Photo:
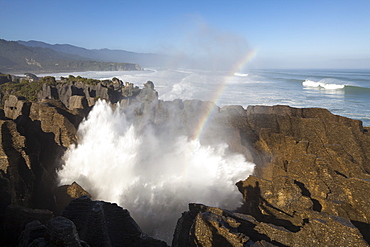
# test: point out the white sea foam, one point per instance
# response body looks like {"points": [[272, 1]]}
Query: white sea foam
{"points": [[181, 90], [322, 84], [240, 74], [153, 176]]}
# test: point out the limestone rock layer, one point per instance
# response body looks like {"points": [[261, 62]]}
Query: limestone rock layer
{"points": [[309, 187]]}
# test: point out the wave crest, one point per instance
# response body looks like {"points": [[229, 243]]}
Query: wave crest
{"points": [[324, 83], [240, 74]]}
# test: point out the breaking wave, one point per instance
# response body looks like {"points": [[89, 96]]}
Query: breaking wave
{"points": [[240, 74], [324, 83]]}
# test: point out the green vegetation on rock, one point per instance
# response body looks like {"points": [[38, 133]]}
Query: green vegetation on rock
{"points": [[25, 88], [30, 89], [73, 79]]}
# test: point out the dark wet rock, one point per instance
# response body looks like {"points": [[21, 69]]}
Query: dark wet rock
{"points": [[17, 217], [33, 235], [105, 224], [58, 231], [2, 114], [62, 232]]}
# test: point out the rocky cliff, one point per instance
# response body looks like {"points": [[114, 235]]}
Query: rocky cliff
{"points": [[309, 187]]}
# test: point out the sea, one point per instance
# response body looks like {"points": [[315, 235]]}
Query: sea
{"points": [[155, 176], [343, 92]]}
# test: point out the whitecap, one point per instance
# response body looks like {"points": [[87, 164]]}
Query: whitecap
{"points": [[240, 74], [322, 84]]}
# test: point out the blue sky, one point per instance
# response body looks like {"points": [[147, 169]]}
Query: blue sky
{"points": [[283, 34]]}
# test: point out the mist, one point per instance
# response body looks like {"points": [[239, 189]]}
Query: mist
{"points": [[207, 48], [153, 170]]}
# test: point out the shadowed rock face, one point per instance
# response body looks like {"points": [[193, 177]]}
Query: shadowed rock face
{"points": [[16, 219], [309, 187], [105, 224], [58, 231], [85, 223], [33, 138]]}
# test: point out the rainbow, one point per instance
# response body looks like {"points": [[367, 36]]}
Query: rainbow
{"points": [[215, 97]]}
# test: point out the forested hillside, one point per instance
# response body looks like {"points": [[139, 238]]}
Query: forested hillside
{"points": [[15, 57]]}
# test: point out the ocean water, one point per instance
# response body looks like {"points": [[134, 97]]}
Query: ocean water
{"points": [[343, 92], [155, 176]]}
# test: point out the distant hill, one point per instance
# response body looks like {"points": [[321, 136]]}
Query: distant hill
{"points": [[104, 55], [15, 57]]}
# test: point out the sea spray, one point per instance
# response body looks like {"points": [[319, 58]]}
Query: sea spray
{"points": [[152, 175]]}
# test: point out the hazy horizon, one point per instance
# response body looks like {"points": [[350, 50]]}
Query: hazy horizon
{"points": [[242, 35]]}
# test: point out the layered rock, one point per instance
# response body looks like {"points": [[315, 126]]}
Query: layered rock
{"points": [[15, 106], [67, 93], [33, 136], [15, 164], [312, 167], [309, 187], [209, 226]]}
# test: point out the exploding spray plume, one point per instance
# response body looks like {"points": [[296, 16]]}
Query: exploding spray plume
{"points": [[151, 173], [155, 173]]}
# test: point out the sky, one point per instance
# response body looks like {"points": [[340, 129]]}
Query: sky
{"points": [[275, 34]]}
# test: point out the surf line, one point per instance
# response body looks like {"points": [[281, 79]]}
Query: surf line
{"points": [[211, 107]]}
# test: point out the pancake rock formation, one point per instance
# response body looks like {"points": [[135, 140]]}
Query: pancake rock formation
{"points": [[309, 187]]}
